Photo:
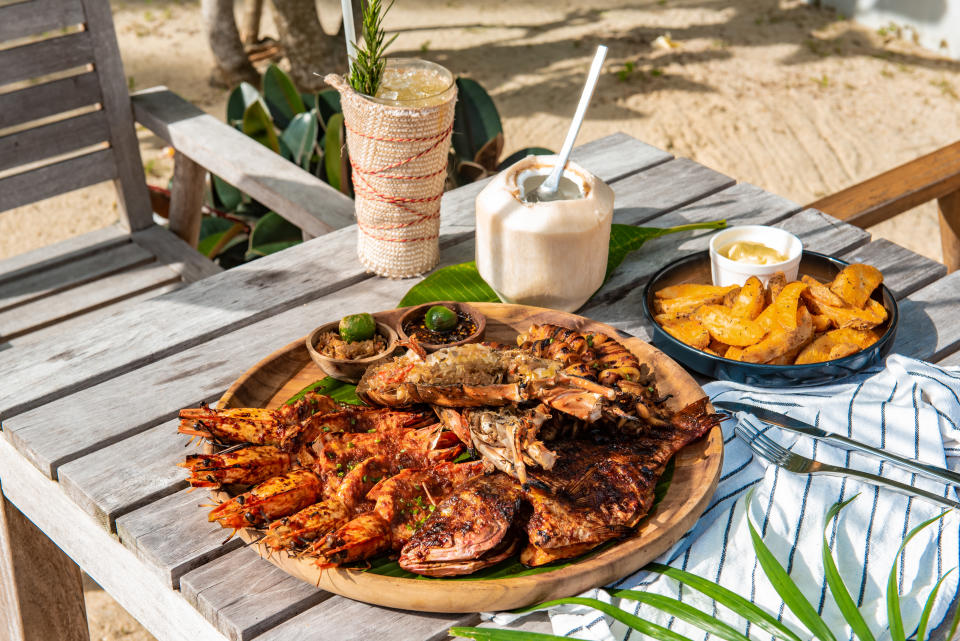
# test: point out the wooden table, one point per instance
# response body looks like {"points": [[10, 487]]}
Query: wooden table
{"points": [[90, 441]]}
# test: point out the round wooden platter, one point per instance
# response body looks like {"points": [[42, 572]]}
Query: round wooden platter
{"points": [[696, 469]]}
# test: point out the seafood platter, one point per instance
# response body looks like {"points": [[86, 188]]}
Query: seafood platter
{"points": [[555, 456]]}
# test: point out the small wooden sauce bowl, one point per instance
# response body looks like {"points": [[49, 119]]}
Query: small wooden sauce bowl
{"points": [[345, 369], [460, 308]]}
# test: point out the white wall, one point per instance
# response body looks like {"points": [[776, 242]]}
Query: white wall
{"points": [[934, 24]]}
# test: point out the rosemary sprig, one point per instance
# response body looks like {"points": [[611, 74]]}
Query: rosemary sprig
{"points": [[367, 69]]}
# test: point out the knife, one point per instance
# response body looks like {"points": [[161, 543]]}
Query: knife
{"points": [[791, 424]]}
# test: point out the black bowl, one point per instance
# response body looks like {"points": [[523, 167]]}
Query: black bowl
{"points": [[696, 269]]}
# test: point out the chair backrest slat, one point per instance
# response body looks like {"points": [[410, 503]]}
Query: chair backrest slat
{"points": [[48, 99], [58, 178], [46, 56], [55, 139], [45, 73], [37, 16]]}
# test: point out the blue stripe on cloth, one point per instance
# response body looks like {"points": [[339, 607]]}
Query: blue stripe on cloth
{"points": [[876, 495]]}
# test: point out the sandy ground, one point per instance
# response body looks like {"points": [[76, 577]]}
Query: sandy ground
{"points": [[797, 100]]}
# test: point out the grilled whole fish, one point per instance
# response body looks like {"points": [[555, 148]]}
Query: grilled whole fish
{"points": [[478, 375], [469, 530], [600, 491]]}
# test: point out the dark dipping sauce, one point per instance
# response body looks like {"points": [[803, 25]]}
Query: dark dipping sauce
{"points": [[416, 328]]}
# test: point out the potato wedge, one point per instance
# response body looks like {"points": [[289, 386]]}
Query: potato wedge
{"points": [[689, 331], [867, 318], [692, 290], [783, 311], [750, 299], [734, 353], [827, 347], [855, 283], [781, 340], [664, 319], [718, 348], [776, 282], [859, 337], [727, 328], [730, 298], [818, 294], [685, 305], [822, 323]]}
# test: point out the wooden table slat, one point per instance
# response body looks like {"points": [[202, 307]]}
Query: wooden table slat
{"points": [[126, 475], [243, 596], [341, 619], [928, 321], [172, 536]]}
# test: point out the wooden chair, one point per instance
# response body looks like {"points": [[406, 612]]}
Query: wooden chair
{"points": [[67, 122], [936, 175]]}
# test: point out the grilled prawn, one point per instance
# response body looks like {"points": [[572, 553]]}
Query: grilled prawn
{"points": [[247, 466], [276, 497], [254, 425]]}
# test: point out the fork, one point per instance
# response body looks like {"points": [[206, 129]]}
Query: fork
{"points": [[775, 453]]}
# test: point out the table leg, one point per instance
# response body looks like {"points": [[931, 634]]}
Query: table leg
{"points": [[41, 588]]}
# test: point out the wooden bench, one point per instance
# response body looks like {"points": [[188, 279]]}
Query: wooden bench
{"points": [[934, 176]]}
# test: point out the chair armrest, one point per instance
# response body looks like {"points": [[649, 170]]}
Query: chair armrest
{"points": [[884, 196], [295, 194]]}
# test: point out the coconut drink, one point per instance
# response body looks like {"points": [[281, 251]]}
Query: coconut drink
{"points": [[544, 253]]}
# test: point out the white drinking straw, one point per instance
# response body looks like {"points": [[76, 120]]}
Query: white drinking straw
{"points": [[346, 6]]}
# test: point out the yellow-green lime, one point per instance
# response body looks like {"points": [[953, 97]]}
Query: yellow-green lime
{"points": [[357, 327], [440, 319]]}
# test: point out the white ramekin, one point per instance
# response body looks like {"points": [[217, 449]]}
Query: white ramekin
{"points": [[728, 272]]}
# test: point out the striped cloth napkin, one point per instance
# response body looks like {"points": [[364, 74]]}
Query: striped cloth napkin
{"points": [[911, 408]]}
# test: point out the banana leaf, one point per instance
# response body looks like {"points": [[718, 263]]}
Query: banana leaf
{"points": [[300, 137], [281, 96], [463, 282]]}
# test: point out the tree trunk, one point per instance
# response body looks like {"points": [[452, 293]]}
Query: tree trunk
{"points": [[309, 49], [252, 12], [233, 66]]}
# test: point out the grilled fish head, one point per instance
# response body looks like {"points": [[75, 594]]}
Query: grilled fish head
{"points": [[469, 526]]}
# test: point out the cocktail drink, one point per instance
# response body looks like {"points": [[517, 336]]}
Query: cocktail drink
{"points": [[398, 143], [547, 254], [413, 83]]}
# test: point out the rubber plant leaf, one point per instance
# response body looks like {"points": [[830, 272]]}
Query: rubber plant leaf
{"points": [[257, 125], [228, 197], [273, 233], [517, 156], [335, 155], [300, 137], [282, 97], [240, 98], [476, 121], [212, 229], [215, 244], [328, 104]]}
